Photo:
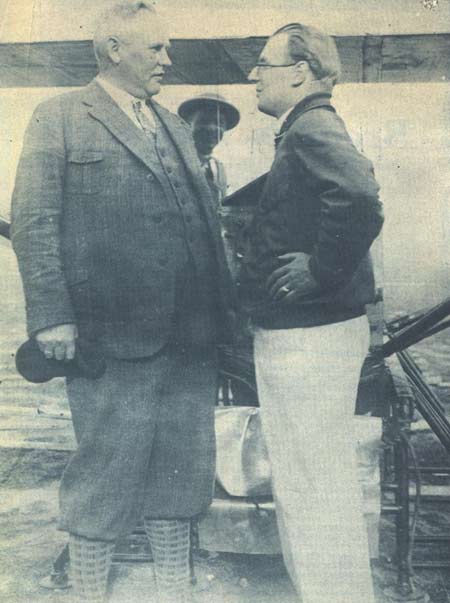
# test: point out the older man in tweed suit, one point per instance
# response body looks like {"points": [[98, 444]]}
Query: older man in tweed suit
{"points": [[118, 243]]}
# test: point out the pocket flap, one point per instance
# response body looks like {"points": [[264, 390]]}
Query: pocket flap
{"points": [[85, 156], [76, 276]]}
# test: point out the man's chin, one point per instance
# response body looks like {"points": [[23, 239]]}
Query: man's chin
{"points": [[262, 108], [153, 88], [205, 151]]}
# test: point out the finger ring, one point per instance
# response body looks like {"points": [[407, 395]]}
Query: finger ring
{"points": [[285, 289]]}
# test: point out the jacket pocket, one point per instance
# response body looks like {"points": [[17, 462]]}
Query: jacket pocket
{"points": [[85, 172], [76, 276]]}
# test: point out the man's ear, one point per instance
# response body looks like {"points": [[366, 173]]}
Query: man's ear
{"points": [[113, 49], [302, 73]]}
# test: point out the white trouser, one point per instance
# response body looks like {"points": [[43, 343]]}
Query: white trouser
{"points": [[307, 383]]}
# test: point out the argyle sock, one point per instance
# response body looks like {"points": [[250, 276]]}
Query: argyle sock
{"points": [[170, 544], [90, 561]]}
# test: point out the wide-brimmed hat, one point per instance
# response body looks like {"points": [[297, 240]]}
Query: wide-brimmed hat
{"points": [[32, 364], [210, 99]]}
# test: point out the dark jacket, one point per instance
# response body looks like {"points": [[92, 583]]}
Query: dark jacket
{"points": [[320, 198], [93, 235]]}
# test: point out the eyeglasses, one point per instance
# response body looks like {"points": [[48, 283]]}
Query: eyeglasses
{"points": [[260, 66]]}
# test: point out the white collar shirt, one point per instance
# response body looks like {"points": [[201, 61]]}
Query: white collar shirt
{"points": [[282, 118], [125, 101]]}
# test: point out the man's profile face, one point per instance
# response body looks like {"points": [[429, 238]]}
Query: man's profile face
{"points": [[273, 83], [208, 128], [143, 56]]}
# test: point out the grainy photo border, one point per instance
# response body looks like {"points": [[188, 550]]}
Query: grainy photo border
{"points": [[393, 96]]}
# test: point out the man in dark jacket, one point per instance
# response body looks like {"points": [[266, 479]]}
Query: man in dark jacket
{"points": [[305, 279], [118, 243]]}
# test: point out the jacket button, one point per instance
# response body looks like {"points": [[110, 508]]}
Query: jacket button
{"points": [[189, 219], [150, 177], [157, 219], [163, 261], [176, 184], [169, 169], [162, 152]]}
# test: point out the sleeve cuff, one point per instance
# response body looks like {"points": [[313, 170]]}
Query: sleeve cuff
{"points": [[38, 323]]}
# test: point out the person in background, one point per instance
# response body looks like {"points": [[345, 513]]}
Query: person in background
{"points": [[210, 116], [118, 244], [305, 279]]}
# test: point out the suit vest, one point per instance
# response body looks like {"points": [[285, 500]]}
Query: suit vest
{"points": [[197, 291]]}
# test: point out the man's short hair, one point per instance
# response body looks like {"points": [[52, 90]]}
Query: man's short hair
{"points": [[319, 50], [114, 20]]}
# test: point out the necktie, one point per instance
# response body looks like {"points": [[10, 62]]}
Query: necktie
{"points": [[144, 121]]}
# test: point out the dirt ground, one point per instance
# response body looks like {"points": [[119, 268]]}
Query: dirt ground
{"points": [[29, 542]]}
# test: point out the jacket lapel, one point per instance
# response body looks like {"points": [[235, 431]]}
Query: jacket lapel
{"points": [[180, 136], [104, 109], [184, 143], [182, 139]]}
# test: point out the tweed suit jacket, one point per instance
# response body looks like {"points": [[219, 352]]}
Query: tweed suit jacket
{"points": [[94, 239]]}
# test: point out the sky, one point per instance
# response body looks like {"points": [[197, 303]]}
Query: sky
{"points": [[31, 20]]}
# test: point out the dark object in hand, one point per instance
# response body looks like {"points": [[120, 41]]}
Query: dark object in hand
{"points": [[32, 364]]}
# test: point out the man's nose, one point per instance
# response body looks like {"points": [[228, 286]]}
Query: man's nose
{"points": [[164, 58], [253, 75]]}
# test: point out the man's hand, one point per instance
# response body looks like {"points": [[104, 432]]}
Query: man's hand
{"points": [[58, 342], [292, 280]]}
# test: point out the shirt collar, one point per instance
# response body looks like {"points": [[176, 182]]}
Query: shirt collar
{"points": [[119, 95], [125, 101], [204, 159], [282, 118]]}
